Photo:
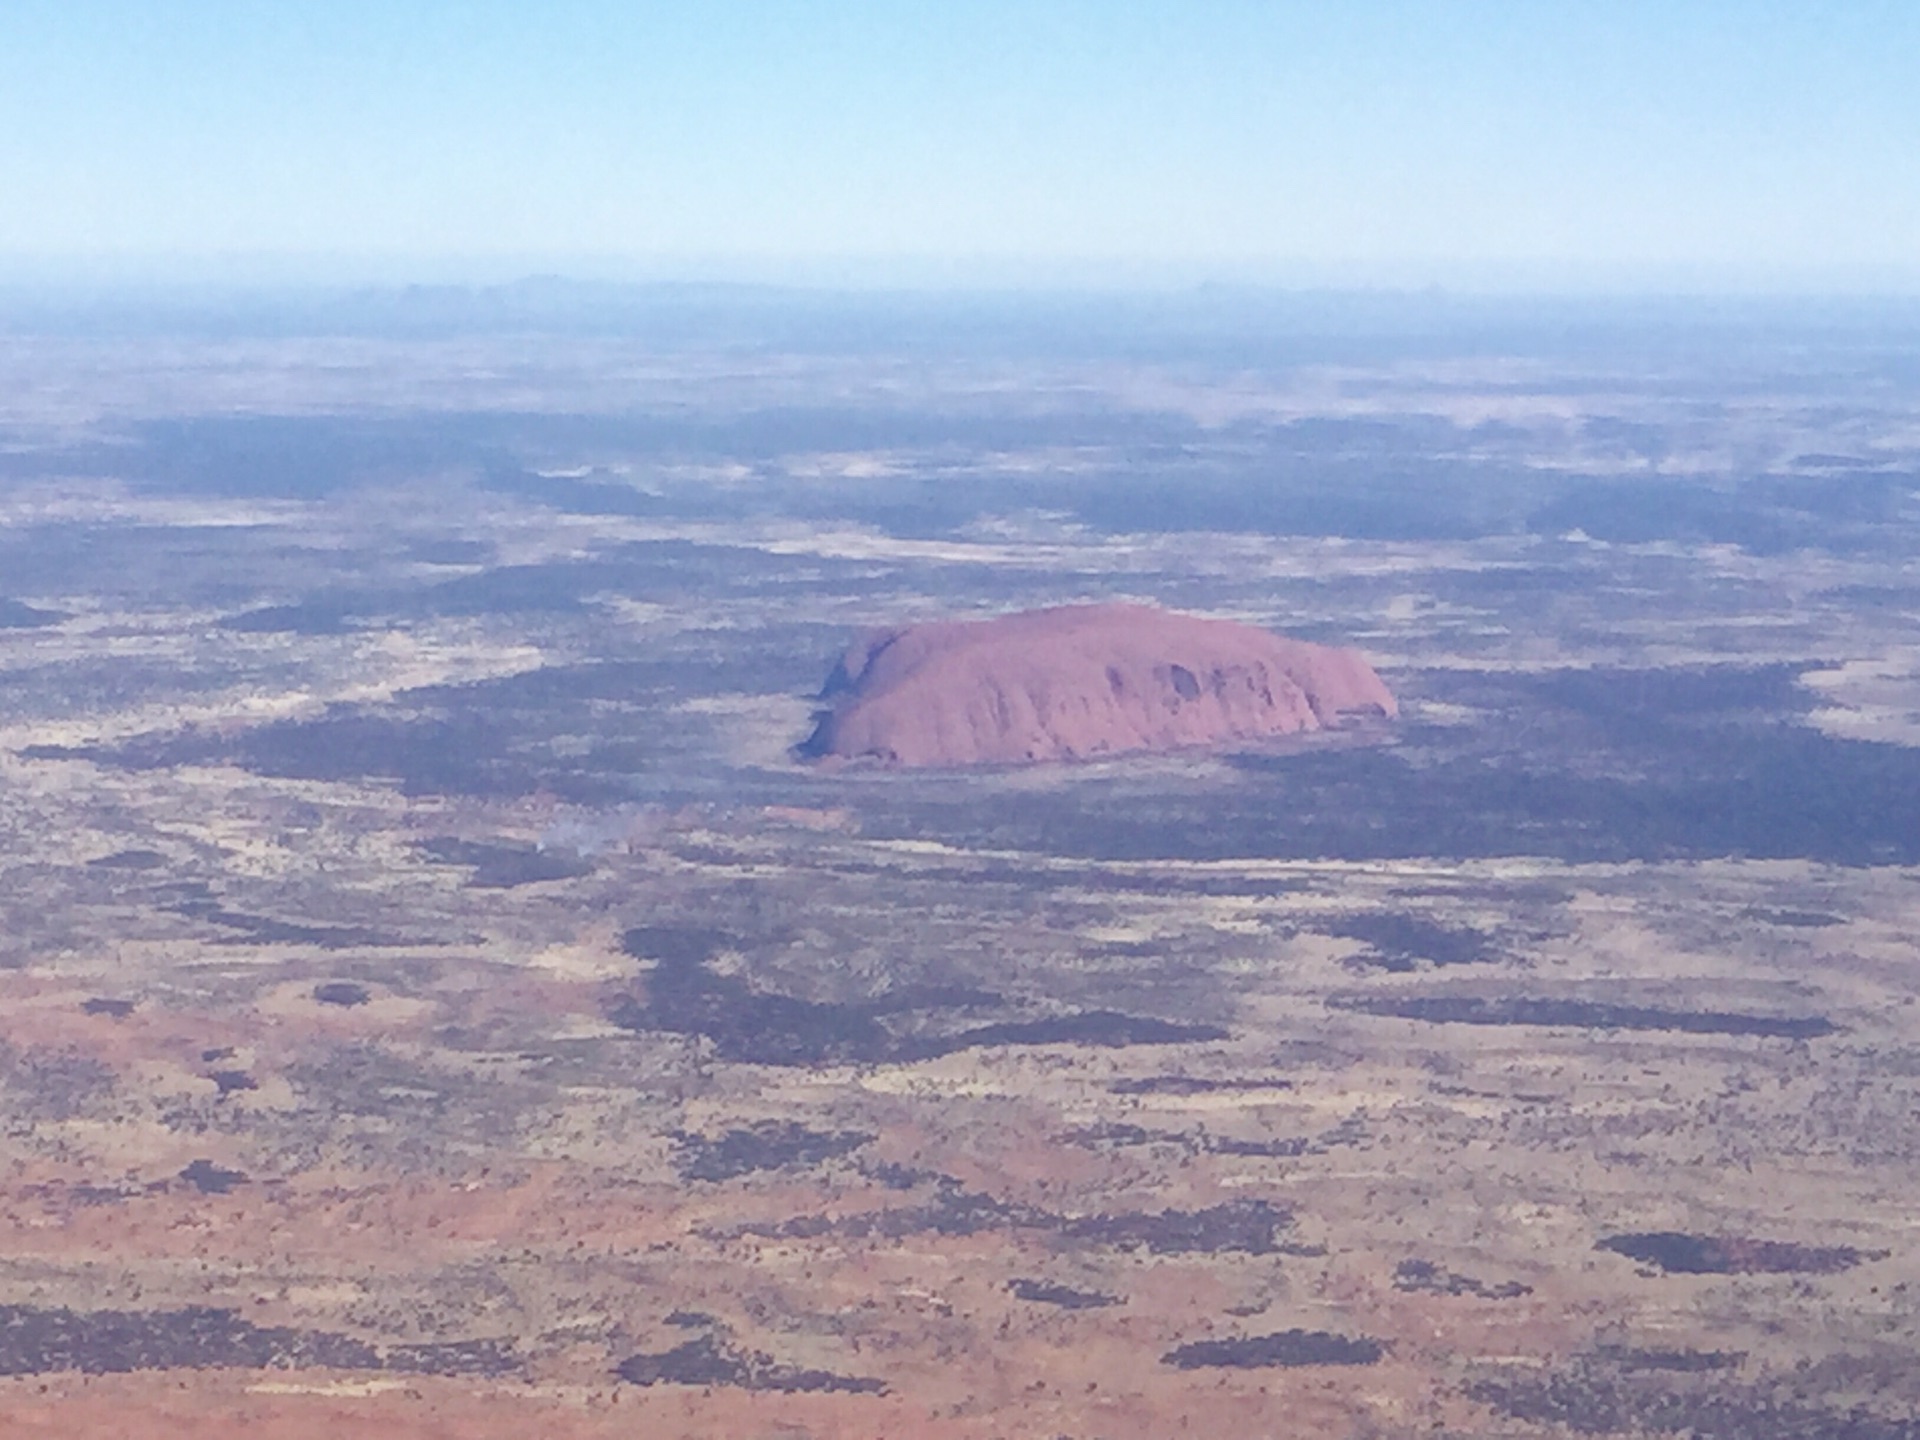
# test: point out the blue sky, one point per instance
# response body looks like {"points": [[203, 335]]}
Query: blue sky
{"points": [[1708, 143]]}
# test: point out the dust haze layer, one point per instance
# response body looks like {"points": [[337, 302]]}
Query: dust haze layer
{"points": [[1080, 682]]}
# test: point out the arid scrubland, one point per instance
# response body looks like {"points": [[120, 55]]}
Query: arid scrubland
{"points": [[435, 998]]}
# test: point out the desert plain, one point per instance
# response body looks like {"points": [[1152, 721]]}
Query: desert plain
{"points": [[437, 999]]}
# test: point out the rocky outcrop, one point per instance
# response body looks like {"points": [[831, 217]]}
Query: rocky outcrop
{"points": [[1081, 682]]}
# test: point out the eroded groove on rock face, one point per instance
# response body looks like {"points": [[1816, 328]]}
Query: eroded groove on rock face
{"points": [[1080, 682]]}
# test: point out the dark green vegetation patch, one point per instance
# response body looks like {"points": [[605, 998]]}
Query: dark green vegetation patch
{"points": [[768, 1145], [501, 865], [1581, 1015], [211, 1179], [1285, 1348], [1426, 1277], [1040, 1292], [37, 1340], [710, 1360], [685, 995], [1602, 1395], [1680, 1254], [1406, 942], [1234, 1227]]}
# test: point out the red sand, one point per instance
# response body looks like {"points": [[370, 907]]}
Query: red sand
{"points": [[1080, 682]]}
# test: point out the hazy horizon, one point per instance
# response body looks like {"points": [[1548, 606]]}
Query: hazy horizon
{"points": [[1716, 147], [292, 274]]}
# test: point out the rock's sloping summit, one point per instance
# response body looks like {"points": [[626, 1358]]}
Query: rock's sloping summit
{"points": [[1079, 682]]}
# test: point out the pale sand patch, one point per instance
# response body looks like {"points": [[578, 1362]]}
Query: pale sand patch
{"points": [[757, 730], [162, 1078], [270, 1092], [1871, 699], [1129, 931], [374, 669], [295, 1000], [127, 1146], [331, 1293], [338, 1389], [646, 613], [1439, 712], [586, 1027], [599, 959]]}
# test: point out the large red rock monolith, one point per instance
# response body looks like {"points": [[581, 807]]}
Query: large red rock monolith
{"points": [[1081, 682]]}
